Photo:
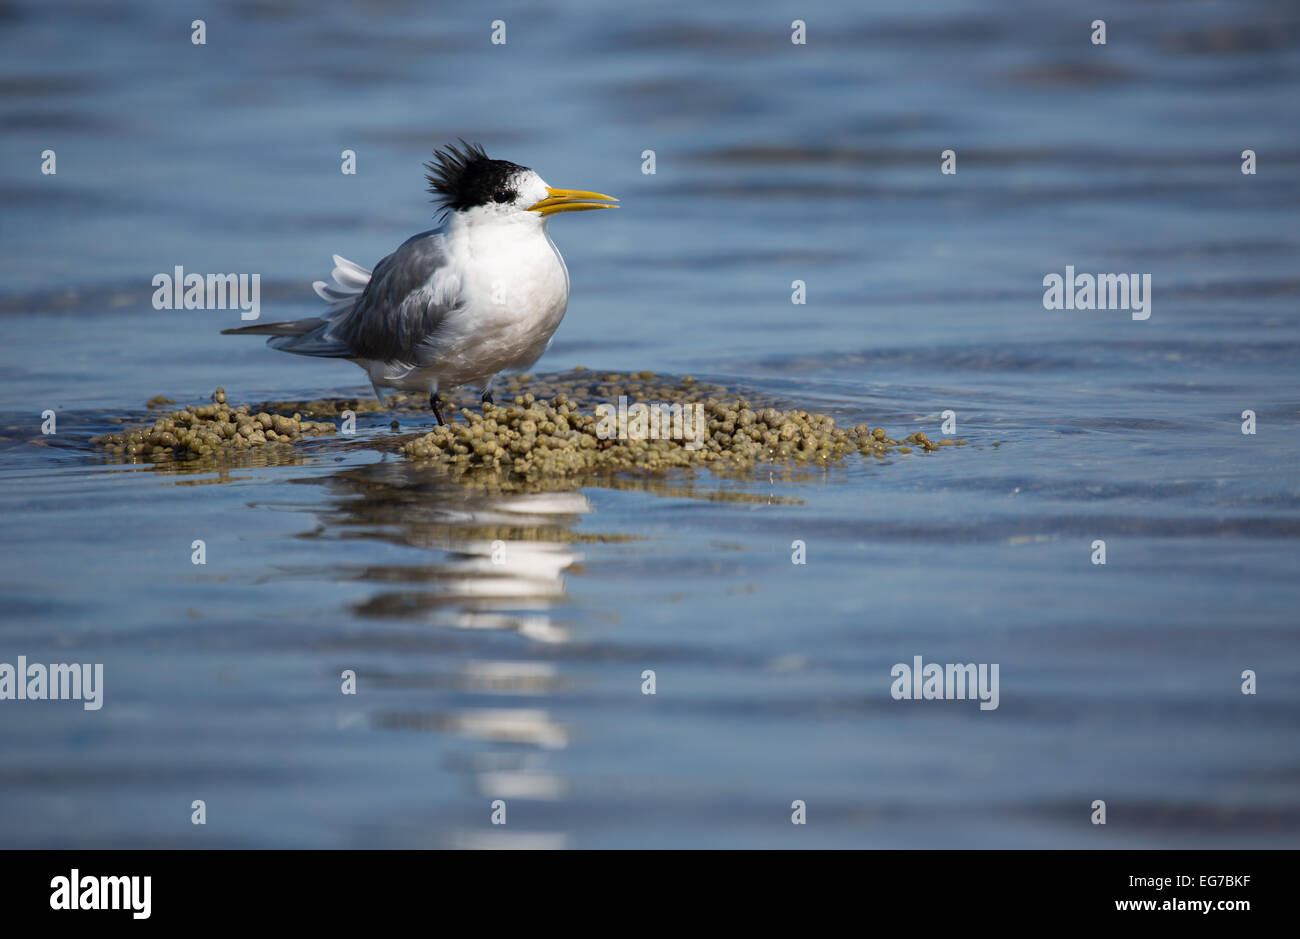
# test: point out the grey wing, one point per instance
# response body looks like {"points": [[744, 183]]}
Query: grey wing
{"points": [[384, 315], [401, 308]]}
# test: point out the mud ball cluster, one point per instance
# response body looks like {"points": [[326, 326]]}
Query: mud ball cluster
{"points": [[537, 438], [207, 431], [547, 428]]}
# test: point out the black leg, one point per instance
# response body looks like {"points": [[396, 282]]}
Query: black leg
{"points": [[487, 398], [435, 402]]}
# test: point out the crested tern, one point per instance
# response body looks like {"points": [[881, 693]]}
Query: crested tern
{"points": [[456, 305]]}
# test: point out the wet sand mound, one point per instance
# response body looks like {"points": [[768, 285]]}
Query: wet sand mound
{"points": [[545, 427], [206, 431]]}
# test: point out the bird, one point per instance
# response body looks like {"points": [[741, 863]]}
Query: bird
{"points": [[481, 294]]}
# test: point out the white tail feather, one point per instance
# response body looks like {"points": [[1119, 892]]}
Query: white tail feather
{"points": [[349, 280]]}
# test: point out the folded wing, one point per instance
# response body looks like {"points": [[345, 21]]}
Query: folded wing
{"points": [[388, 315]]}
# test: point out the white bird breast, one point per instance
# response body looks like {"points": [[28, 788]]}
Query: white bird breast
{"points": [[507, 290]]}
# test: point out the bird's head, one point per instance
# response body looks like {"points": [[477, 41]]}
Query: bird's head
{"points": [[465, 179]]}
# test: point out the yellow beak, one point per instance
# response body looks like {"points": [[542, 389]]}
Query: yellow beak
{"points": [[571, 200]]}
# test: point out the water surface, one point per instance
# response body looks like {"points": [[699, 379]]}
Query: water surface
{"points": [[774, 163]]}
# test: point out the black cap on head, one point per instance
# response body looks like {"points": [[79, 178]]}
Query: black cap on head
{"points": [[463, 177]]}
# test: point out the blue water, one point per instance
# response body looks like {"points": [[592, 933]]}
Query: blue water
{"points": [[774, 163]]}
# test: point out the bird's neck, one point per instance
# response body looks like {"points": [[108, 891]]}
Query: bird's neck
{"points": [[487, 235]]}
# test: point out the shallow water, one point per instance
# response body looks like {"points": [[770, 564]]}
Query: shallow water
{"points": [[774, 163]]}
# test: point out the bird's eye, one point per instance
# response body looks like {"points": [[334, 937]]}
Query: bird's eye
{"points": [[502, 195]]}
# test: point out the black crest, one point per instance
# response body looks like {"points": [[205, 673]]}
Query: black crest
{"points": [[463, 177]]}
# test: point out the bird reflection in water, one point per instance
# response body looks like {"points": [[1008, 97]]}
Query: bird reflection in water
{"points": [[498, 564]]}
